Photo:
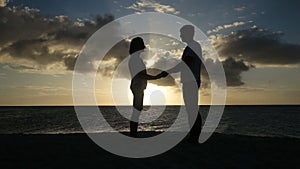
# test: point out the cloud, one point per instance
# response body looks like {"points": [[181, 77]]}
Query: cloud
{"points": [[3, 3], [151, 5], [239, 9], [2, 75], [227, 26], [233, 70], [32, 41], [258, 47], [42, 44], [113, 58]]}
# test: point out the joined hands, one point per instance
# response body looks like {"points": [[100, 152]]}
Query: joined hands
{"points": [[162, 74]]}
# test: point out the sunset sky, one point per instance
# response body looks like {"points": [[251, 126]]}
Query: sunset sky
{"points": [[258, 43]]}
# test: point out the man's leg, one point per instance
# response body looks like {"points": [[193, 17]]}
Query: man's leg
{"points": [[190, 96], [196, 129]]}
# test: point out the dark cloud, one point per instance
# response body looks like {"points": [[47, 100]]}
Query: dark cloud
{"points": [[27, 35], [113, 58], [233, 70], [33, 50], [70, 62], [258, 47], [119, 51]]}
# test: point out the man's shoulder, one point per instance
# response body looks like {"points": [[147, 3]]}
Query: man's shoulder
{"points": [[196, 44]]}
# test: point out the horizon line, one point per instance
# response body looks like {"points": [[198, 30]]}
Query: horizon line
{"points": [[68, 105]]}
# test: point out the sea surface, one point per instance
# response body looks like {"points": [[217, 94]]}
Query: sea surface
{"points": [[271, 121]]}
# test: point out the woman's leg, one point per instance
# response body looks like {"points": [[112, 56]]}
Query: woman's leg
{"points": [[138, 97]]}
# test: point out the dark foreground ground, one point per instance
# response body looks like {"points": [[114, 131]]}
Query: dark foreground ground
{"points": [[72, 151]]}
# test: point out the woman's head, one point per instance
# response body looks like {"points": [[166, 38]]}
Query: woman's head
{"points": [[136, 44]]}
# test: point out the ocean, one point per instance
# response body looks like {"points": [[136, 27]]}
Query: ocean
{"points": [[271, 121]]}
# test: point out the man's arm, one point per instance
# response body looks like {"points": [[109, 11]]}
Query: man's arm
{"points": [[179, 66], [176, 68]]}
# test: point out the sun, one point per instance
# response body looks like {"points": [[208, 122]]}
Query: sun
{"points": [[154, 95]]}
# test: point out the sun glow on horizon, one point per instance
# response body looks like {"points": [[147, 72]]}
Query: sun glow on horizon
{"points": [[155, 95]]}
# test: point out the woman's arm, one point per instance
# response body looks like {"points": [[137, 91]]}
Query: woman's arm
{"points": [[143, 74]]}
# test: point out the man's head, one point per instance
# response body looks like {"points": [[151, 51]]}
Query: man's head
{"points": [[187, 33]]}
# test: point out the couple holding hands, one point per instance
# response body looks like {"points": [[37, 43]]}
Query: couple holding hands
{"points": [[190, 64]]}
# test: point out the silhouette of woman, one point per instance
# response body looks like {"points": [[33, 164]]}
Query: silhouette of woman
{"points": [[139, 79]]}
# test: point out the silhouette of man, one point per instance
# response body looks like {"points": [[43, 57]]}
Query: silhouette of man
{"points": [[191, 58]]}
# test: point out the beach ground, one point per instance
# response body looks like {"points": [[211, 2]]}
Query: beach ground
{"points": [[72, 151]]}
